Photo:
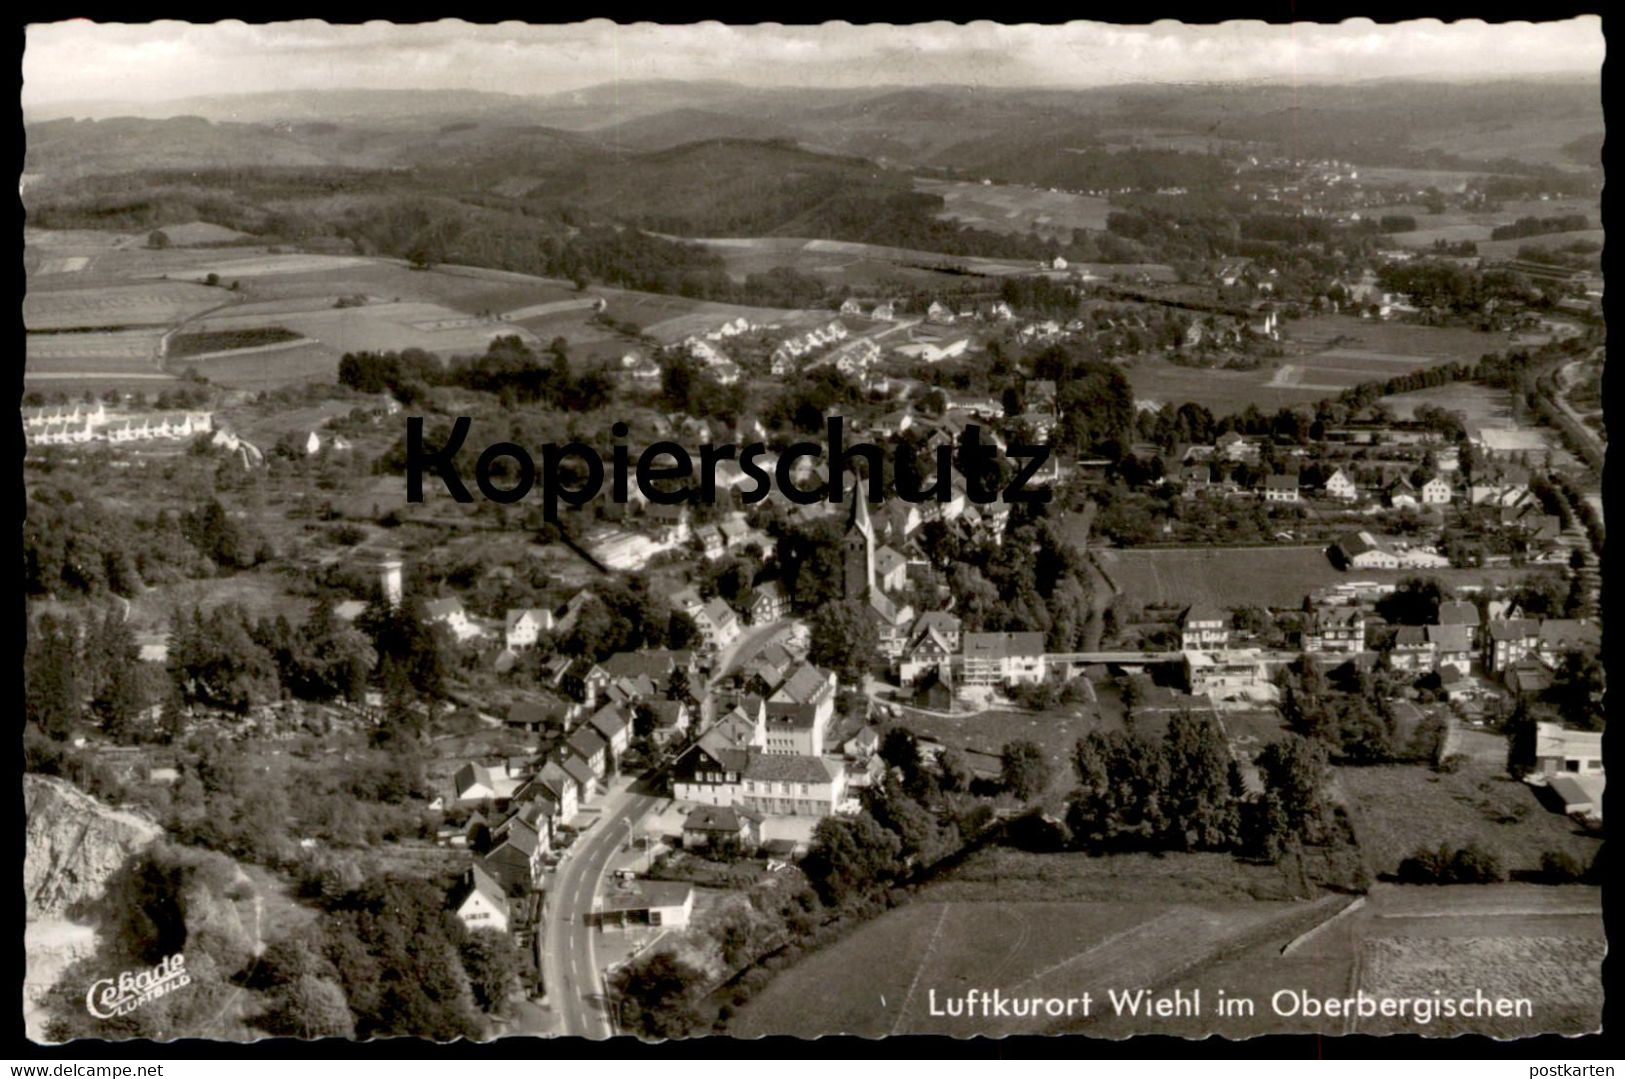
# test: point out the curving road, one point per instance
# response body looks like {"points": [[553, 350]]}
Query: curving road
{"points": [[573, 981]]}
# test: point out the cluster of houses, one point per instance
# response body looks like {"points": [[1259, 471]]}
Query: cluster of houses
{"points": [[74, 424], [784, 357], [719, 366]]}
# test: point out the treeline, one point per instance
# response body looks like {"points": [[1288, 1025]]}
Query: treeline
{"points": [[1538, 226], [1185, 792], [508, 368], [1457, 290], [75, 545], [1356, 722]]}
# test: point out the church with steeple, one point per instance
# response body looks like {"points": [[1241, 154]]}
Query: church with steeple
{"points": [[870, 571]]}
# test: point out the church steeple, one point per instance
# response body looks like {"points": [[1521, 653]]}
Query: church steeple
{"points": [[858, 548], [857, 518]]}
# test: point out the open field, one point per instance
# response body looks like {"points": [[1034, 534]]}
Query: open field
{"points": [[375, 326], [880, 980], [1324, 357], [1446, 180], [839, 257], [258, 370], [984, 736], [1398, 808], [1456, 225], [1456, 928], [232, 269], [1017, 210], [671, 318], [148, 304], [1252, 576], [202, 234], [1479, 406], [1227, 577], [130, 349]]}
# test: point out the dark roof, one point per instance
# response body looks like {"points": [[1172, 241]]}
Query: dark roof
{"points": [[1569, 633], [785, 768], [586, 742], [476, 879], [1513, 629], [715, 819], [657, 666], [1458, 612], [609, 720], [577, 769]]}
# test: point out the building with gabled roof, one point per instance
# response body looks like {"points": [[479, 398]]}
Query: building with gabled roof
{"points": [[479, 901], [993, 658]]}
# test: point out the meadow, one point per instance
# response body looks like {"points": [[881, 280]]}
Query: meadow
{"points": [[1324, 356], [1273, 576], [879, 980], [1017, 210], [1398, 808]]}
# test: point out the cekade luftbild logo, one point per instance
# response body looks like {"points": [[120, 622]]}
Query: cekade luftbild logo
{"points": [[131, 989]]}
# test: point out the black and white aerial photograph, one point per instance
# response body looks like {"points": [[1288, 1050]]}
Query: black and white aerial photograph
{"points": [[640, 532]]}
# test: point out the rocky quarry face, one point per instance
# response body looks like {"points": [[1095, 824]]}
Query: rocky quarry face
{"points": [[74, 843]]}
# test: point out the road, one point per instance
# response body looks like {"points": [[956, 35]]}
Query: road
{"points": [[570, 970], [575, 985]]}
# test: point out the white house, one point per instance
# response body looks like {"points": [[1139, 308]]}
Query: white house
{"points": [[1436, 492], [479, 902], [1339, 486], [449, 613], [992, 658], [523, 625]]}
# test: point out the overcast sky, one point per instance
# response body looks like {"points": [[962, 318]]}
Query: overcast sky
{"points": [[80, 60]]}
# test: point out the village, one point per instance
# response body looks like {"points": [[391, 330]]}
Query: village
{"points": [[1300, 638]]}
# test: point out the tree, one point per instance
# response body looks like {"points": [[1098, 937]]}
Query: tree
{"points": [[658, 993], [849, 856], [1577, 690], [901, 749], [1023, 770], [1521, 741], [309, 1007], [1415, 602], [492, 964], [158, 239], [51, 676], [1294, 770], [953, 773], [844, 639], [1201, 808]]}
